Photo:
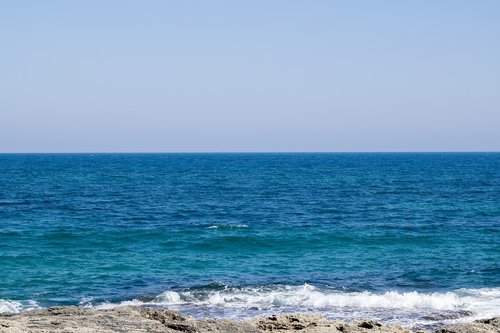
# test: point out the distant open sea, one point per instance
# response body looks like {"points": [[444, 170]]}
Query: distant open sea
{"points": [[407, 238]]}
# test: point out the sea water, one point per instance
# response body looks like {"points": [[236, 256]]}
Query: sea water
{"points": [[406, 238]]}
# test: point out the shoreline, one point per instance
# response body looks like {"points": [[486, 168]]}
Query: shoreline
{"points": [[73, 319]]}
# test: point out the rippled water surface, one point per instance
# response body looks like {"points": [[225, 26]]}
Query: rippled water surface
{"points": [[228, 234]]}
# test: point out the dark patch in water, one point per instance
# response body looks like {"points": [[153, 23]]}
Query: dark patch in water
{"points": [[447, 315]]}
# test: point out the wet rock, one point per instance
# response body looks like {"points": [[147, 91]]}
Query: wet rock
{"points": [[478, 326], [369, 324], [495, 322]]}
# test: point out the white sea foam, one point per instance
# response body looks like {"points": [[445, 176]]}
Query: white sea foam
{"points": [[227, 226], [310, 296], [10, 306], [408, 308], [107, 305]]}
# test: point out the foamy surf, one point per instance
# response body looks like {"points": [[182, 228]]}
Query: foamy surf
{"points": [[227, 226], [12, 306], [407, 308]]}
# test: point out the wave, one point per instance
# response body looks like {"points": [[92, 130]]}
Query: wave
{"points": [[408, 308], [11, 306], [221, 301], [227, 226]]}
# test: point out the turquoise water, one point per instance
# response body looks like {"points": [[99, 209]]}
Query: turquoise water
{"points": [[412, 238]]}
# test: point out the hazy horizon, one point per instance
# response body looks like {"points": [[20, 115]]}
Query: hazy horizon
{"points": [[244, 152], [281, 76]]}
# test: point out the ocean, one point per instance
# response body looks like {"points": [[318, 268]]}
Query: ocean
{"points": [[411, 238]]}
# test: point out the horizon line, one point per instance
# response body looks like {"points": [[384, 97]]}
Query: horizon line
{"points": [[258, 152]]}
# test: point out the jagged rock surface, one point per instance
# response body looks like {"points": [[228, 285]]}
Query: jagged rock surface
{"points": [[132, 319], [316, 324], [123, 319], [479, 326]]}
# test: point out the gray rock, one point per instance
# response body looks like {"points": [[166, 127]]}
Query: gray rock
{"points": [[122, 319], [307, 323], [479, 326], [133, 319]]}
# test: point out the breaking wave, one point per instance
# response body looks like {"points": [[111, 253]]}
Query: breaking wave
{"points": [[413, 309], [10, 306], [408, 308]]}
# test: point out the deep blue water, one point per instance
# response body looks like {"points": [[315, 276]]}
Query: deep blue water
{"points": [[105, 228]]}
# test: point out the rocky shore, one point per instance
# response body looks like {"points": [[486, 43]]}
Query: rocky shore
{"points": [[137, 319]]}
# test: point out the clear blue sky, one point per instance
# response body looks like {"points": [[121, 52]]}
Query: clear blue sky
{"points": [[266, 75]]}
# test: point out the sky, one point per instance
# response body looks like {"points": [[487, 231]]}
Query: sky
{"points": [[249, 76]]}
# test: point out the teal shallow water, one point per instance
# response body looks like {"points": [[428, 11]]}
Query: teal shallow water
{"points": [[230, 232]]}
